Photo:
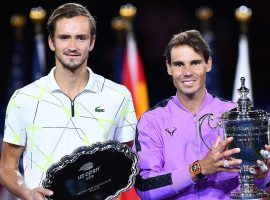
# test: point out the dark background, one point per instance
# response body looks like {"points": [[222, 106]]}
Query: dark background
{"points": [[154, 24]]}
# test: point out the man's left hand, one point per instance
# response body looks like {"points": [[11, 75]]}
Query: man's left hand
{"points": [[264, 166]]}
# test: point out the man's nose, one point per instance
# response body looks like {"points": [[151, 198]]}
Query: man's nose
{"points": [[188, 70], [72, 44]]}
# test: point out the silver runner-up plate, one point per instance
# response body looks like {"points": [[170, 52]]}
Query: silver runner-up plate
{"points": [[97, 172]]}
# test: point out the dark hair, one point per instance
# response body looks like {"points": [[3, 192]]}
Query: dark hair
{"points": [[192, 38], [69, 10]]}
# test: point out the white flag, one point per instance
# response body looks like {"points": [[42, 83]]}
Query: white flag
{"points": [[242, 69]]}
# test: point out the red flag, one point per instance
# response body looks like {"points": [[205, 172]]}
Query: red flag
{"points": [[129, 195], [133, 76]]}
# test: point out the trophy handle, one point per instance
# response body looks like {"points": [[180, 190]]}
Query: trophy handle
{"points": [[210, 117]]}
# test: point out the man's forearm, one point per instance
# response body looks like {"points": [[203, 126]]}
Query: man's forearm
{"points": [[13, 181]]}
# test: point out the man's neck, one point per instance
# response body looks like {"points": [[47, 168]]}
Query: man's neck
{"points": [[72, 82], [192, 102]]}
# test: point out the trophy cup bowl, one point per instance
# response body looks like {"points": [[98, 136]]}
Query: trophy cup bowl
{"points": [[250, 130]]}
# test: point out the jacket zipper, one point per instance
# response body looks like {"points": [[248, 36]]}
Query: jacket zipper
{"points": [[196, 135], [197, 149]]}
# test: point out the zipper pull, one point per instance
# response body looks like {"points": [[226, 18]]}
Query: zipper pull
{"points": [[72, 109], [195, 118]]}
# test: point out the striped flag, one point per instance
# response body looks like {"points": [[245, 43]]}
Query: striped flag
{"points": [[39, 59], [242, 69], [133, 76]]}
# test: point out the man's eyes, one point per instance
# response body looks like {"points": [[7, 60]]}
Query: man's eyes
{"points": [[64, 37], [178, 64], [81, 38], [195, 63]]}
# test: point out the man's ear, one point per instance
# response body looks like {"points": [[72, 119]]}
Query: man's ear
{"points": [[92, 43], [209, 64], [169, 68], [51, 43]]}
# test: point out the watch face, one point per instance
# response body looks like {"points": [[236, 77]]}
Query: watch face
{"points": [[195, 167]]}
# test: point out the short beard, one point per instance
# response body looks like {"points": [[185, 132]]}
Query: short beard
{"points": [[71, 66]]}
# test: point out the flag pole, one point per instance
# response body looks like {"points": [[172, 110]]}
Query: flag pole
{"points": [[37, 16], [17, 79], [205, 14], [128, 13], [118, 24], [18, 21], [243, 15]]}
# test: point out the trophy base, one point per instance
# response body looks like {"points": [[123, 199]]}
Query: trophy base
{"points": [[254, 193]]}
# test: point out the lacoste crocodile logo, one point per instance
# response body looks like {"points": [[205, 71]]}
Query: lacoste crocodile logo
{"points": [[171, 131], [98, 109]]}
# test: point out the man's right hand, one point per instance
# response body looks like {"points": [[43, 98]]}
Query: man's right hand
{"points": [[37, 194], [219, 156]]}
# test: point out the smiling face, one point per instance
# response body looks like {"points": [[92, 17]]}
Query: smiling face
{"points": [[72, 42], [188, 70]]}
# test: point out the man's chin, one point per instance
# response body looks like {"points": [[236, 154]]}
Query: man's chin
{"points": [[72, 67], [189, 92]]}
